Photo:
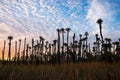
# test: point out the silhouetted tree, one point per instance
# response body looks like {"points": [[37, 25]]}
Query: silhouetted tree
{"points": [[97, 44], [74, 46], [63, 31], [117, 48], [42, 49], [3, 51], [50, 48], [30, 54], [9, 51], [40, 46], [89, 48], [109, 45], [86, 35], [83, 47], [99, 21], [24, 50], [80, 46], [46, 47], [15, 50], [32, 48], [68, 30], [19, 51], [73, 42], [54, 43], [27, 53], [58, 52]]}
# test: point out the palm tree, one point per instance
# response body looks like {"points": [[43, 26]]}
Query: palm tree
{"points": [[97, 43], [58, 53], [96, 35], [58, 30], [29, 49], [50, 48], [15, 50], [89, 48], [109, 44], [27, 52], [24, 50], [74, 43], [46, 47], [9, 51], [99, 21], [19, 50], [32, 50], [117, 47], [86, 34], [106, 39], [40, 39], [42, 49], [3, 52], [68, 30], [42, 45], [83, 47], [95, 48], [73, 38], [54, 42], [80, 45], [63, 31]]}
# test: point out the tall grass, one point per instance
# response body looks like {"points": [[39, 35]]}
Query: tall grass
{"points": [[71, 71]]}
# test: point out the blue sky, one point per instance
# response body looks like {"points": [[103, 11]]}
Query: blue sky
{"points": [[34, 18]]}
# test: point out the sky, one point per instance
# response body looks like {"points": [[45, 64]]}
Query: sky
{"points": [[34, 18]]}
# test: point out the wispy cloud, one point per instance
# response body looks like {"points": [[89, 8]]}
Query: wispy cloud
{"points": [[35, 18], [104, 10]]}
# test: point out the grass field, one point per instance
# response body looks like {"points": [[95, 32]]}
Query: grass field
{"points": [[76, 71]]}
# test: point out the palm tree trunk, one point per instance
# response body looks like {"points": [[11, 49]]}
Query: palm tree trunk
{"points": [[63, 40], [27, 53], [73, 42], [67, 44], [86, 46], [24, 50], [50, 48], [3, 52], [58, 53], [9, 51], [80, 46], [32, 50], [101, 32], [102, 49], [15, 50], [19, 51]]}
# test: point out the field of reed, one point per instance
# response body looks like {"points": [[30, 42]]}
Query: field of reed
{"points": [[71, 71]]}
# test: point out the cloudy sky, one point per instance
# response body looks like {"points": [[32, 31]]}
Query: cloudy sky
{"points": [[34, 18]]}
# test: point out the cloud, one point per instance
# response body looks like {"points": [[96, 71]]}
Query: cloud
{"points": [[104, 10], [26, 18]]}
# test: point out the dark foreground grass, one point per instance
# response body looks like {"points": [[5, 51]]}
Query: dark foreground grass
{"points": [[77, 71]]}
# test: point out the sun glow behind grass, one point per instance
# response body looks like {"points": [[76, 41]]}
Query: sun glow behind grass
{"points": [[71, 71]]}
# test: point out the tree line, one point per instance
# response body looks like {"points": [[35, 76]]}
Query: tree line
{"points": [[42, 51]]}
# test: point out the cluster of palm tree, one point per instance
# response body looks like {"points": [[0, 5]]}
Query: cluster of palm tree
{"points": [[42, 51]]}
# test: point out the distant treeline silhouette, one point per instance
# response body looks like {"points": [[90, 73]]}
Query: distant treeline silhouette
{"points": [[42, 52]]}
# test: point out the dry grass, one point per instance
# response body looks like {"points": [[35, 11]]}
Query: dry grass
{"points": [[77, 71]]}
